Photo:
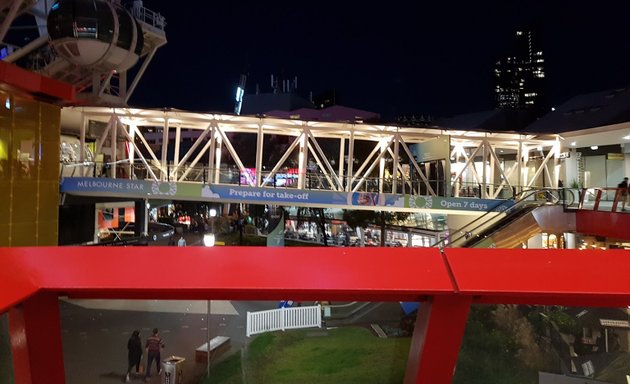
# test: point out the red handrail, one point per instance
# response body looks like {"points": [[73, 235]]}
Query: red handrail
{"points": [[447, 282]]}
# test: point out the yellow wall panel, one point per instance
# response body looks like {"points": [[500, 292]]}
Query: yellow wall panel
{"points": [[4, 234], [49, 200], [25, 201], [23, 234], [47, 233], [29, 188], [49, 163], [5, 200]]}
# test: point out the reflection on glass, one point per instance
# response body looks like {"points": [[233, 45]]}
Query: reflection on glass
{"points": [[356, 342], [519, 343], [6, 362], [345, 349]]}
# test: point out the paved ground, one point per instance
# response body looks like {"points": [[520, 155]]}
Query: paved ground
{"points": [[95, 339]]}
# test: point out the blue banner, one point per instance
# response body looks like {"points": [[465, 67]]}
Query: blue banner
{"points": [[277, 196]]}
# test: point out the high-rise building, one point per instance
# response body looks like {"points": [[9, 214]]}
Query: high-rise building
{"points": [[520, 75]]}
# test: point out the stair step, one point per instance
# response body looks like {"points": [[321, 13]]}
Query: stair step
{"points": [[379, 331]]}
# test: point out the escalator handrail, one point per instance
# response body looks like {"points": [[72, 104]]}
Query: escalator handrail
{"points": [[510, 217], [505, 206]]}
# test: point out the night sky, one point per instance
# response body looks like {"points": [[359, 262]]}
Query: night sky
{"points": [[390, 57]]}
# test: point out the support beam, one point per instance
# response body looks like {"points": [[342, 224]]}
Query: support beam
{"points": [[396, 157], [540, 169], [218, 150], [342, 149], [9, 17], [141, 71], [302, 160], [280, 162], [178, 138], [260, 137], [165, 144], [437, 337], [132, 145], [324, 164], [82, 130], [350, 174], [35, 334], [417, 168], [113, 148]]}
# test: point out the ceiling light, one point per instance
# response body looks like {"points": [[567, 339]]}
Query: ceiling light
{"points": [[594, 147], [573, 143], [626, 137]]}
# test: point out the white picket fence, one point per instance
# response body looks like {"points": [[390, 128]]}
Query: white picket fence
{"points": [[284, 318]]}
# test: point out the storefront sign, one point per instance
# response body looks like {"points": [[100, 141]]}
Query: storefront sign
{"points": [[615, 156]]}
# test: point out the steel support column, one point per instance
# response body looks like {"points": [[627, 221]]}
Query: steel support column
{"points": [[35, 329], [350, 174], [164, 156], [437, 336]]}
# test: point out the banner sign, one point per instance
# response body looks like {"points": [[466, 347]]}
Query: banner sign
{"points": [[434, 149], [145, 189]]}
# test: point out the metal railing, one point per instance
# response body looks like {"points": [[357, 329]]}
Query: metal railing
{"points": [[284, 318], [146, 15], [284, 178], [597, 199]]}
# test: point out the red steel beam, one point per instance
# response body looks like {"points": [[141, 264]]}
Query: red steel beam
{"points": [[35, 329], [614, 225], [447, 283], [436, 339], [14, 78], [592, 278], [236, 273]]}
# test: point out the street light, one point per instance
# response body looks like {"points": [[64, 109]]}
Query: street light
{"points": [[208, 238], [208, 241]]}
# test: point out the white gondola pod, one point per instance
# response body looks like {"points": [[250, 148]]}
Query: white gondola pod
{"points": [[95, 33]]}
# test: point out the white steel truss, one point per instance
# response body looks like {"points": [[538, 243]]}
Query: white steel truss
{"points": [[204, 147]]}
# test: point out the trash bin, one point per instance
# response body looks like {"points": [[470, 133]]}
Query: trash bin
{"points": [[172, 370]]}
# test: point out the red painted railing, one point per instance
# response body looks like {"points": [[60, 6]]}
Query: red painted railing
{"points": [[448, 283]]}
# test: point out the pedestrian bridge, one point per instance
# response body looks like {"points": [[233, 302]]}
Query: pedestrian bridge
{"points": [[175, 145], [269, 160]]}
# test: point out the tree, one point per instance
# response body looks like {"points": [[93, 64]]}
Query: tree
{"points": [[363, 218]]}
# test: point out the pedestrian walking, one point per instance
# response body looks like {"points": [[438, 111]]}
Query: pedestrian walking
{"points": [[623, 192], [153, 345], [134, 348]]}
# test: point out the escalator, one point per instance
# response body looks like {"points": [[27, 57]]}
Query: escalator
{"points": [[509, 232], [532, 213]]}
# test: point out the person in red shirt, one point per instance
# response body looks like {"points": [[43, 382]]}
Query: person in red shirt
{"points": [[153, 346]]}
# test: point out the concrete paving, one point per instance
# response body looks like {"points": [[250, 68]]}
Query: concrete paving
{"points": [[95, 334], [95, 339]]}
